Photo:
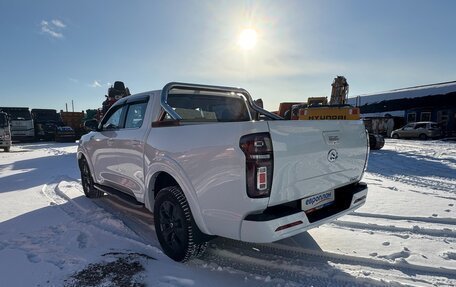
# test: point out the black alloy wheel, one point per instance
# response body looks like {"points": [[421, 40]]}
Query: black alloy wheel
{"points": [[87, 181], [172, 225], [177, 232]]}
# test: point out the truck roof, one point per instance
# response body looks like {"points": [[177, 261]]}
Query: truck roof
{"points": [[13, 108], [43, 110]]}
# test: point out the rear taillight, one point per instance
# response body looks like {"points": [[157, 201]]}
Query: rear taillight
{"points": [[258, 163]]}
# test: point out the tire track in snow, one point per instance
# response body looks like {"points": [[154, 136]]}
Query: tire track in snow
{"points": [[91, 214], [355, 260], [394, 229], [296, 262], [433, 194], [305, 271], [136, 221], [449, 221], [441, 184]]}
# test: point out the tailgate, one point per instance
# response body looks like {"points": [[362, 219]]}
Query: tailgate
{"points": [[311, 157]]}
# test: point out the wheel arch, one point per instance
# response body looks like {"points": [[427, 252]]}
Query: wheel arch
{"points": [[164, 177], [80, 157]]}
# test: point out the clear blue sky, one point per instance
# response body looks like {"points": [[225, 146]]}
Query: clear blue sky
{"points": [[53, 52]]}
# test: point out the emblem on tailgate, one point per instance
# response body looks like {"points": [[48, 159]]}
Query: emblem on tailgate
{"points": [[333, 139], [333, 155]]}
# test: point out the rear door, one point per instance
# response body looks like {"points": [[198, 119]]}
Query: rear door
{"points": [[311, 157]]}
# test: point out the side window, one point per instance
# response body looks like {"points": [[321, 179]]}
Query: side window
{"points": [[114, 120], [420, 126], [135, 115], [409, 127]]}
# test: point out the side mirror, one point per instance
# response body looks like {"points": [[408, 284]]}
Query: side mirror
{"points": [[91, 125]]}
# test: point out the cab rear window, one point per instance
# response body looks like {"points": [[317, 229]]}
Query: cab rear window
{"points": [[210, 108]]}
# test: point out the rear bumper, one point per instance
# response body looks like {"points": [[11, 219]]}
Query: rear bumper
{"points": [[273, 225]]}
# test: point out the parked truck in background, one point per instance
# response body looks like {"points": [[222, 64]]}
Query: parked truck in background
{"points": [[5, 132], [75, 121], [22, 127], [46, 122], [208, 162]]}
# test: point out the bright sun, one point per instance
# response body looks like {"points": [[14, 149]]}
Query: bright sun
{"points": [[247, 39]]}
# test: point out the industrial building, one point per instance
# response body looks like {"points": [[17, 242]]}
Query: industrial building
{"points": [[435, 102]]}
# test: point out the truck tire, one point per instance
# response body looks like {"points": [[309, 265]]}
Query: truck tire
{"points": [[372, 141], [423, 137], [177, 232], [395, 136], [376, 142], [87, 181], [6, 149]]}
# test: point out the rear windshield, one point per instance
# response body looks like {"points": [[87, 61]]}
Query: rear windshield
{"points": [[210, 108]]}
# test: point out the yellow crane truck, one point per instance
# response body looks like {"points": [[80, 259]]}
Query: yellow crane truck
{"points": [[337, 109], [318, 108]]}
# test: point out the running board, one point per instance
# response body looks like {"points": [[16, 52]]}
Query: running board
{"points": [[119, 194]]}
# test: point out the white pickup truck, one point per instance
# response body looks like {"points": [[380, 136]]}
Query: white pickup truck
{"points": [[208, 162]]}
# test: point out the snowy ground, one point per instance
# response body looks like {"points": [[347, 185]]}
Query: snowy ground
{"points": [[404, 235]]}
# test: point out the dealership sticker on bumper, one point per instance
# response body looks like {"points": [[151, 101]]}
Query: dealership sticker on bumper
{"points": [[317, 201]]}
